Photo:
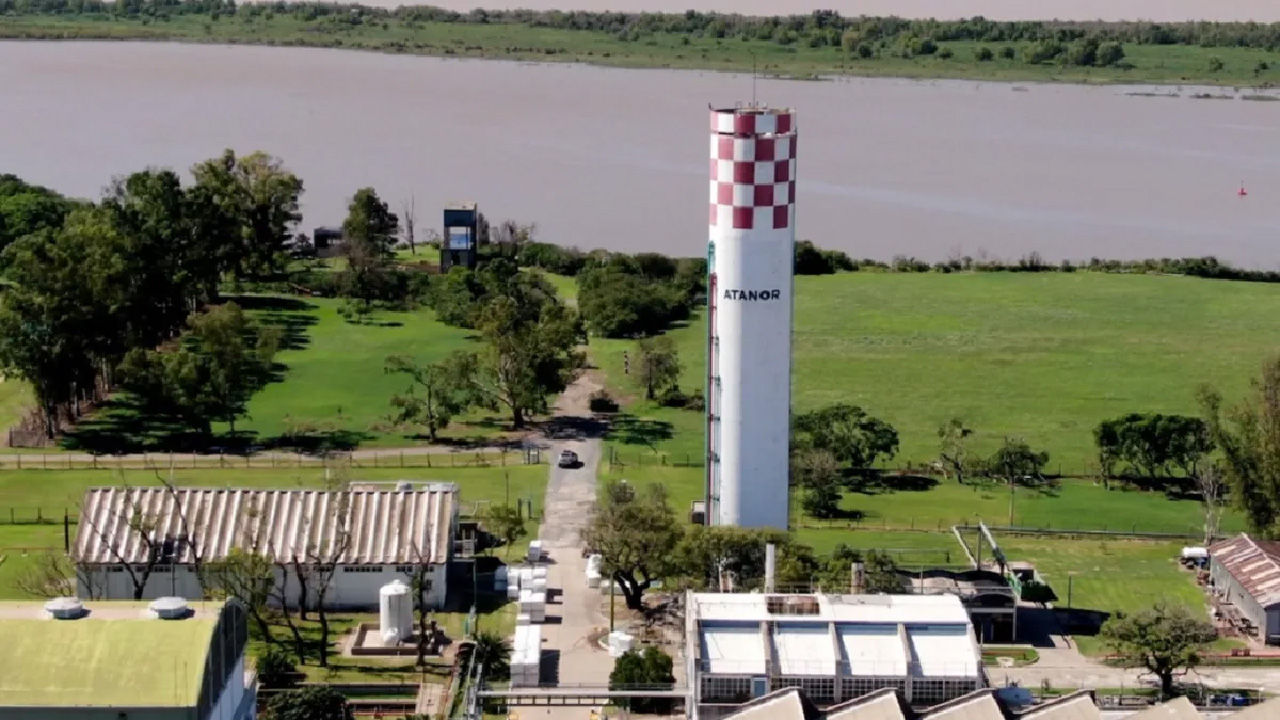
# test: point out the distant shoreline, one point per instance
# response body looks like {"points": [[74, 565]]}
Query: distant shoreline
{"points": [[646, 43]]}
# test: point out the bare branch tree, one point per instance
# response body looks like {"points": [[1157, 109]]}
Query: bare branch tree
{"points": [[1210, 483], [408, 219], [324, 562], [187, 545], [139, 525], [55, 574]]}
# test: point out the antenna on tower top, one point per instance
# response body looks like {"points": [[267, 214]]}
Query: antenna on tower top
{"points": [[753, 80]]}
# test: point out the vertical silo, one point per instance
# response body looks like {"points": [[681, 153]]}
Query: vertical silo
{"points": [[751, 255]]}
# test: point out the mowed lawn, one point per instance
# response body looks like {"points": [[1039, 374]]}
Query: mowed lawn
{"points": [[29, 495], [334, 380], [1040, 356], [1108, 575]]}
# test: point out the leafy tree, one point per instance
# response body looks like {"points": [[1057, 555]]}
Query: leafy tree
{"points": [[456, 295], [369, 237], [436, 393], [1008, 53], [880, 574], [984, 54], [1248, 436], [817, 472], [1152, 444], [1014, 462], [223, 361], [855, 438], [27, 209], [1083, 53], [647, 667], [615, 303], [59, 323], [635, 533], [813, 260], [525, 359], [1167, 640], [704, 551], [249, 577], [1044, 51], [658, 365], [1260, 68], [494, 651], [259, 199], [953, 452], [505, 522], [1215, 64], [315, 702], [1110, 54], [946, 53]]}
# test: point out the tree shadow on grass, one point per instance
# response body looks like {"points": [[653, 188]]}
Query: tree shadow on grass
{"points": [[124, 424], [631, 430], [873, 482], [318, 442]]}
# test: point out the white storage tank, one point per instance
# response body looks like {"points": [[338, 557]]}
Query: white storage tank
{"points": [[395, 612], [620, 643], [535, 551]]}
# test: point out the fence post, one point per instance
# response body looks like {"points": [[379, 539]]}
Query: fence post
{"points": [[375, 458], [401, 458], [68, 461], [44, 458]]}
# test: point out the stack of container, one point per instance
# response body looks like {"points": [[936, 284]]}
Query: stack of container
{"points": [[526, 656], [500, 580], [619, 643], [533, 604], [538, 581], [535, 551], [594, 563]]}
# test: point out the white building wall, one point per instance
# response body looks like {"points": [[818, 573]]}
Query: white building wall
{"points": [[752, 232], [232, 704], [352, 587]]}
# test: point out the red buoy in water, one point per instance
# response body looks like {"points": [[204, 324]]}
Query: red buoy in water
{"points": [[1242, 192]]}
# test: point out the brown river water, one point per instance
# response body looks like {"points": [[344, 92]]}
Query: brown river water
{"points": [[618, 158]]}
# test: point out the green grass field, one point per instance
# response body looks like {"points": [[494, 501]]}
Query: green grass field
{"points": [[1144, 63], [1045, 356], [332, 390], [1108, 576]]}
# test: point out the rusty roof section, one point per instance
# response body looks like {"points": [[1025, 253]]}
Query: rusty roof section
{"points": [[119, 525], [1254, 564]]}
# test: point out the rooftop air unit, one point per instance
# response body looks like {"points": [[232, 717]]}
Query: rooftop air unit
{"points": [[64, 608], [169, 608], [404, 486]]}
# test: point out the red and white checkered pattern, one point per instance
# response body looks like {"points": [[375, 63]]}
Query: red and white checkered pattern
{"points": [[753, 169]]}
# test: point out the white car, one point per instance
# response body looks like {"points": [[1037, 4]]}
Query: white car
{"points": [[568, 459]]}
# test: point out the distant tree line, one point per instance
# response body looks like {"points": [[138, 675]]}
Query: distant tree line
{"points": [[816, 29]]}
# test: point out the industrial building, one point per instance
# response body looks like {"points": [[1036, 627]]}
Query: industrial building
{"points": [[836, 648], [1245, 574], [159, 539], [750, 258], [987, 596], [165, 660], [985, 704]]}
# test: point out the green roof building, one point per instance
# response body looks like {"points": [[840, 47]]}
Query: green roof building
{"points": [[169, 659]]}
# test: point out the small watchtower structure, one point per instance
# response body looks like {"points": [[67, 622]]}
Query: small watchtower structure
{"points": [[461, 245]]}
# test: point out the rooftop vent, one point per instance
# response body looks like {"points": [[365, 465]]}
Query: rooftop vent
{"points": [[404, 486], [64, 608], [169, 608]]}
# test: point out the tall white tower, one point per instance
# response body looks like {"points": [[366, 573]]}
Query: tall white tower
{"points": [[751, 257]]}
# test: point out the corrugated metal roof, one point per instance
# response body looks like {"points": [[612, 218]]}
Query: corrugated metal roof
{"points": [[977, 705], [1180, 709], [1077, 706], [883, 704], [1254, 564], [343, 527]]}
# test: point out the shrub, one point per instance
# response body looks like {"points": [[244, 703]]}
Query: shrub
{"points": [[984, 54], [275, 667], [673, 397]]}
